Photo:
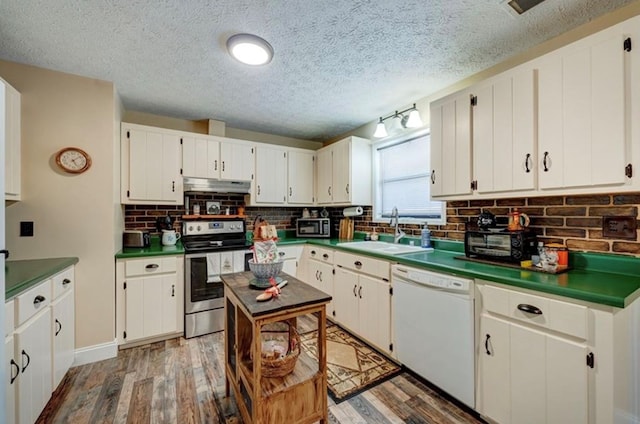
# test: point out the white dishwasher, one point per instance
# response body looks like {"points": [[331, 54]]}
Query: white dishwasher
{"points": [[433, 327]]}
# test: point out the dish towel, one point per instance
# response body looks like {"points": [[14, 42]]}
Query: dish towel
{"points": [[213, 267]]}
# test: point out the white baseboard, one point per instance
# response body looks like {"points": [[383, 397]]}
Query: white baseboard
{"points": [[95, 353]]}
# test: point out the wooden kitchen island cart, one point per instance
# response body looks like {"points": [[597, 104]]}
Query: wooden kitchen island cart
{"points": [[298, 397]]}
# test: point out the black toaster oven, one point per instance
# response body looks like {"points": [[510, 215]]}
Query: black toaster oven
{"points": [[501, 245]]}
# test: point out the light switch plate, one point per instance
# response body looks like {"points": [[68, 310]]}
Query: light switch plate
{"points": [[620, 227]]}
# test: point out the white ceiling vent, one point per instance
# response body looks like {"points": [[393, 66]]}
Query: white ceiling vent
{"points": [[521, 6]]}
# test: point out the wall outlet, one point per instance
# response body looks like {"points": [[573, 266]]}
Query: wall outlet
{"points": [[619, 227]]}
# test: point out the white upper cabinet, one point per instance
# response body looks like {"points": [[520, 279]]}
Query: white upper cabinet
{"points": [[10, 113], [237, 159], [301, 169], [344, 172], [270, 185], [451, 145], [151, 164], [283, 176], [201, 157], [504, 132], [582, 113]]}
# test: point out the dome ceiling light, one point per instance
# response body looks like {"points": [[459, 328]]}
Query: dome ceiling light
{"points": [[250, 49]]}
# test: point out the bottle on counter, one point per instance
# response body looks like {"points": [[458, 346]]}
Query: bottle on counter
{"points": [[425, 237]]}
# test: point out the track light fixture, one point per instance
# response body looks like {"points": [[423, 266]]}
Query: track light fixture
{"points": [[399, 122]]}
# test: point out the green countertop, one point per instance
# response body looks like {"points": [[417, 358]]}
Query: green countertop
{"points": [[21, 275], [605, 279], [156, 249], [599, 278]]}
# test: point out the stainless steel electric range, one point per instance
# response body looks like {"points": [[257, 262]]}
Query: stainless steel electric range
{"points": [[213, 246]]}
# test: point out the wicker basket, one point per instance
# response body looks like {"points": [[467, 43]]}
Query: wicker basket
{"points": [[275, 362]]}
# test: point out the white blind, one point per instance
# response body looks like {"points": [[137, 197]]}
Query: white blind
{"points": [[405, 179]]}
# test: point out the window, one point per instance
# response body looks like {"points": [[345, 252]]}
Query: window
{"points": [[402, 178]]}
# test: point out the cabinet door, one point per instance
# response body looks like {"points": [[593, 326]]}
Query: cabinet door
{"points": [[375, 311], [494, 397], [237, 160], [33, 347], [528, 375], [200, 157], [324, 276], [451, 146], [11, 376], [12, 148], [151, 305], [581, 114], [341, 172], [63, 311], [325, 176], [290, 266], [503, 133], [345, 302], [154, 167], [567, 383], [271, 175], [301, 168]]}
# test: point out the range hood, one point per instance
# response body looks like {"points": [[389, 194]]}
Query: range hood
{"points": [[216, 186]]}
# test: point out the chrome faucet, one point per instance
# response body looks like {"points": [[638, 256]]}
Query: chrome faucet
{"points": [[398, 234]]}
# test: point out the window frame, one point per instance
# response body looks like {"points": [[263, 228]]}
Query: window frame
{"points": [[377, 202]]}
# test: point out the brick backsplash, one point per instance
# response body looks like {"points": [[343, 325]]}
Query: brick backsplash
{"points": [[143, 217], [575, 221]]}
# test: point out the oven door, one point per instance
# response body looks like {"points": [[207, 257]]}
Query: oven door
{"points": [[204, 289]]}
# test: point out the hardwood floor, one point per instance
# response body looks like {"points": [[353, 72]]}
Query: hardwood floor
{"points": [[182, 381]]}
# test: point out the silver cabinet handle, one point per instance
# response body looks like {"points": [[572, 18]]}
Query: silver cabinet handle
{"points": [[215, 165]]}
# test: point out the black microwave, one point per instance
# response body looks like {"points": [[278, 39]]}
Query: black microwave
{"points": [[507, 246], [313, 227]]}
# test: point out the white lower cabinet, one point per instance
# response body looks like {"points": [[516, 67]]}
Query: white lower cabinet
{"points": [[362, 298], [544, 359], [528, 376], [33, 348], [150, 297], [316, 269], [63, 313]]}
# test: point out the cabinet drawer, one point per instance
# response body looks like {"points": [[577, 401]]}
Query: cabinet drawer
{"points": [[9, 318], [364, 264], [149, 266], [63, 282], [289, 252], [564, 317], [32, 301], [320, 254]]}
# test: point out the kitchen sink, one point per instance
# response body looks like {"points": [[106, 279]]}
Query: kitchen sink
{"points": [[383, 247]]}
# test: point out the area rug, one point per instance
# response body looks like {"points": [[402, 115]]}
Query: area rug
{"points": [[352, 365]]}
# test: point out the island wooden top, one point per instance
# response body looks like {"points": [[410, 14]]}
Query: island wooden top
{"points": [[294, 294]]}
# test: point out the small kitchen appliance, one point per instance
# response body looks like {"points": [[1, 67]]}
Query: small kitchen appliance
{"points": [[213, 247], [313, 227], [136, 238], [500, 245]]}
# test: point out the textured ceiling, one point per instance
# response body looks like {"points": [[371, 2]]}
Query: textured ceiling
{"points": [[338, 64]]}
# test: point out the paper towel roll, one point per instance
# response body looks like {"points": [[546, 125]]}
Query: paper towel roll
{"points": [[353, 211]]}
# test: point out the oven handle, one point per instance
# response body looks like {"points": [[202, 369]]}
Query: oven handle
{"points": [[204, 254]]}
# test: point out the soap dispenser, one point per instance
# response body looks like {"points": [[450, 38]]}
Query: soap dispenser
{"points": [[425, 237]]}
